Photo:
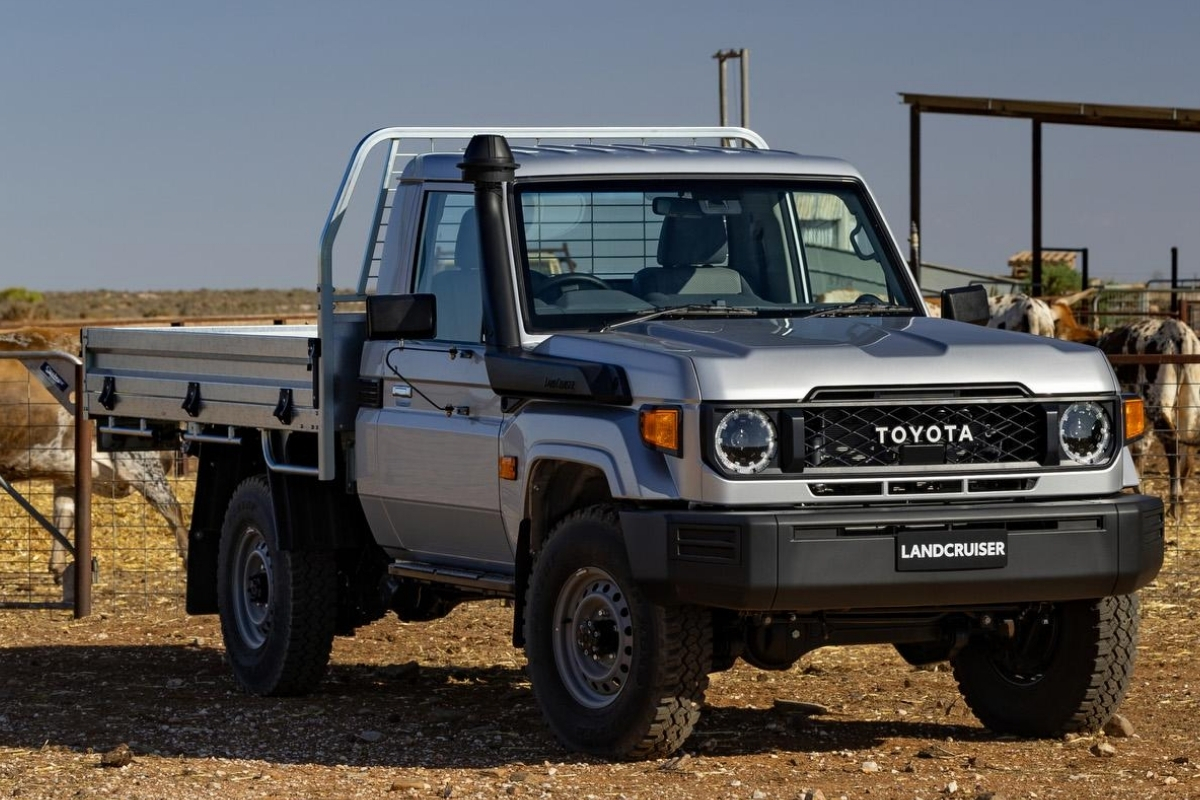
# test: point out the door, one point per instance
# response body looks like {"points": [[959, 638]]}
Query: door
{"points": [[430, 472]]}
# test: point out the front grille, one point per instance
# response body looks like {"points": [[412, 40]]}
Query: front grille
{"points": [[963, 434]]}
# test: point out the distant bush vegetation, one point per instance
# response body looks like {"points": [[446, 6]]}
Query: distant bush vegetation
{"points": [[18, 304], [1057, 279]]}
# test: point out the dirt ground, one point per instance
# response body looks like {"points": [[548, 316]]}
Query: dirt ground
{"points": [[136, 702]]}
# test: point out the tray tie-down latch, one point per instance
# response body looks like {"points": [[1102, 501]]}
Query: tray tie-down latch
{"points": [[108, 394], [283, 409], [191, 403]]}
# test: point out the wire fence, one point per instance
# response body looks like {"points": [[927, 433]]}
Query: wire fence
{"points": [[1115, 305], [1170, 385], [134, 558], [139, 508]]}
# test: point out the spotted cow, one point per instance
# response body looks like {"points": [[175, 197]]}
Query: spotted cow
{"points": [[1020, 312], [1051, 317], [37, 443], [1171, 392]]}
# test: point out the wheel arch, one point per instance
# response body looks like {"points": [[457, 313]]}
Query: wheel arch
{"points": [[605, 440], [574, 457], [555, 486]]}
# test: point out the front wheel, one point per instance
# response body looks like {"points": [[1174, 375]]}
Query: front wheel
{"points": [[278, 608], [1065, 669], [615, 675]]}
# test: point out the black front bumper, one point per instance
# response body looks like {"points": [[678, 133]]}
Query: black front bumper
{"points": [[847, 558]]}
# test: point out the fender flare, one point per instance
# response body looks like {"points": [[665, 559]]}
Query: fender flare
{"points": [[606, 439]]}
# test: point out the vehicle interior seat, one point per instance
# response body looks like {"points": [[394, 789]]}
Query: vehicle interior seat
{"points": [[458, 289], [689, 248]]}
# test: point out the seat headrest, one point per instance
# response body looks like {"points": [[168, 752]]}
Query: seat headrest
{"points": [[692, 240], [467, 253]]}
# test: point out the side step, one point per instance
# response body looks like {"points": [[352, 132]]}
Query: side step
{"points": [[477, 580]]}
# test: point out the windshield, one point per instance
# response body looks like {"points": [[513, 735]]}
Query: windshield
{"points": [[596, 255]]}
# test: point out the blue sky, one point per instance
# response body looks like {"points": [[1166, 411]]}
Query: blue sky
{"points": [[171, 145]]}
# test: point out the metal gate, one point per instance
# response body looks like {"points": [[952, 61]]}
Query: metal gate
{"points": [[36, 439]]}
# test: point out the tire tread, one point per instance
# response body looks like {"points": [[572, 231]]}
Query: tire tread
{"points": [[684, 642], [296, 654], [1086, 699]]}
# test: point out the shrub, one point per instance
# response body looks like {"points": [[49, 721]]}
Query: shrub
{"points": [[18, 303], [1057, 279]]}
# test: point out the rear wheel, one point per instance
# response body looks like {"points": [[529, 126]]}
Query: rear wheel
{"points": [[278, 608], [1065, 669], [615, 675]]}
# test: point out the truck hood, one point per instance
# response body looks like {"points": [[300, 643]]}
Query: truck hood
{"points": [[784, 359]]}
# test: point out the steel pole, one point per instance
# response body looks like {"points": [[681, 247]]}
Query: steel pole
{"points": [[1035, 274], [83, 501], [724, 114], [914, 192], [1175, 282], [744, 71]]}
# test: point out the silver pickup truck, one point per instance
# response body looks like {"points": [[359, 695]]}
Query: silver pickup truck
{"points": [[681, 403]]}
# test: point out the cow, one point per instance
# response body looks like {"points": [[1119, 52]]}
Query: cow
{"points": [[1067, 327], [1171, 392], [1051, 317], [37, 443], [1020, 312]]}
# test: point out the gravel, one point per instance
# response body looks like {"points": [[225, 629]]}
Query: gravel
{"points": [[141, 705]]}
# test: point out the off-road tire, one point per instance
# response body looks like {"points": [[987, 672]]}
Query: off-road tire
{"points": [[641, 697], [1071, 680], [278, 608]]}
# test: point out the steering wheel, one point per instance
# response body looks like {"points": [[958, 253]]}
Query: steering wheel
{"points": [[553, 289]]}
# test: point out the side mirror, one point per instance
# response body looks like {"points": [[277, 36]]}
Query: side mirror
{"points": [[860, 240], [966, 304], [401, 316]]}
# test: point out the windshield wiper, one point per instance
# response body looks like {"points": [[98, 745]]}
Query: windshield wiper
{"points": [[857, 309], [689, 310]]}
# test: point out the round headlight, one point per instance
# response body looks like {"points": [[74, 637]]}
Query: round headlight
{"points": [[745, 441], [1085, 432]]}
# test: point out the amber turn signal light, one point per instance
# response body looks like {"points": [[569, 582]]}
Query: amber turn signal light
{"points": [[508, 468], [1135, 418], [659, 427]]}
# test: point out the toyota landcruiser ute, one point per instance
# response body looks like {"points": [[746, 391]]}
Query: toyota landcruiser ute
{"points": [[730, 430]]}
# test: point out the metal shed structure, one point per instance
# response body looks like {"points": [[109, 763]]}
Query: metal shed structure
{"points": [[1156, 118]]}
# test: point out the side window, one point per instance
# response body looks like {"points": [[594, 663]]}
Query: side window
{"points": [[448, 265]]}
